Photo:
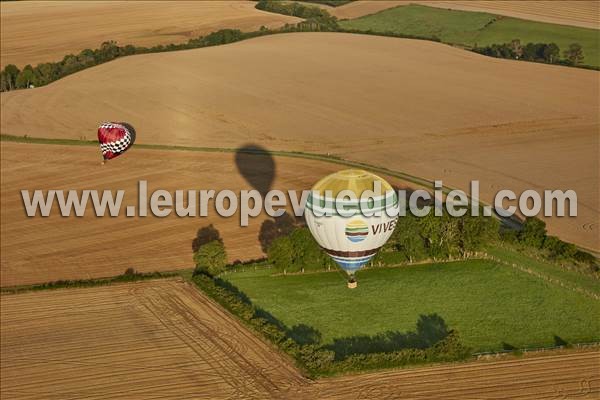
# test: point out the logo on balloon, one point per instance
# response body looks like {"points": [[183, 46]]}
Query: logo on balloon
{"points": [[357, 230]]}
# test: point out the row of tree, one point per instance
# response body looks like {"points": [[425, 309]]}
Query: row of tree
{"points": [[309, 13], [432, 237], [12, 77], [315, 20], [291, 248], [534, 235], [538, 52], [332, 3]]}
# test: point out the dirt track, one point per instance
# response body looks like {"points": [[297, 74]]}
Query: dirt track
{"points": [[420, 107], [38, 31], [36, 250], [164, 339], [577, 13]]}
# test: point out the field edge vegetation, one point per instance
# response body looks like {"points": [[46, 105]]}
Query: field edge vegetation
{"points": [[315, 20]]}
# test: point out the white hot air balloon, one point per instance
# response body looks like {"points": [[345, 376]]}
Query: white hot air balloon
{"points": [[352, 241]]}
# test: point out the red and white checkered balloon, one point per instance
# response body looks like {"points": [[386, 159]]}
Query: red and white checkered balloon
{"points": [[115, 138]]}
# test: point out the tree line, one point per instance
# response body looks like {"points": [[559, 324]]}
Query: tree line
{"points": [[332, 3], [538, 52], [290, 247], [308, 13], [533, 235], [315, 20], [293, 249], [12, 77]]}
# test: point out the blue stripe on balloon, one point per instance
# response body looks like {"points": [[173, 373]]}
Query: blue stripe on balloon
{"points": [[352, 264], [356, 239]]}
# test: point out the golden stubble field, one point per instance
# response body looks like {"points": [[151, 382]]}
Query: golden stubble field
{"points": [[164, 339], [420, 107], [42, 31], [581, 13], [42, 249]]}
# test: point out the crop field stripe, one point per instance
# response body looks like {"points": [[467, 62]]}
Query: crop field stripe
{"points": [[177, 343]]}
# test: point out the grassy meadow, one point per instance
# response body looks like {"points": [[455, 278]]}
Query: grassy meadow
{"points": [[466, 28], [492, 306]]}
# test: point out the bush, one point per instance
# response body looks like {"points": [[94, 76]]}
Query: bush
{"points": [[210, 258], [533, 233]]}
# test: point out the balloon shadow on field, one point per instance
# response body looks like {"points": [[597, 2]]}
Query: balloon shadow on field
{"points": [[257, 166]]}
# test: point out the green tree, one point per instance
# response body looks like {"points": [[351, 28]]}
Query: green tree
{"points": [[430, 230], [516, 48], [533, 232], [47, 72], [4, 84], [476, 232], [272, 229], [574, 54], [306, 253], [12, 72], [280, 254], [557, 249], [26, 77], [551, 53], [211, 258], [407, 238], [441, 234]]}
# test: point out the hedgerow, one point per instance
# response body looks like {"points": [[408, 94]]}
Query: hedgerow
{"points": [[317, 359]]}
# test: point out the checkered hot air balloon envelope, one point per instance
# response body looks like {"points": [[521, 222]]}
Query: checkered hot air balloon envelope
{"points": [[115, 138]]}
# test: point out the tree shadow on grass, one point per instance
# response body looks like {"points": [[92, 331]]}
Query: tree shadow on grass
{"points": [[430, 330], [205, 235], [272, 229]]}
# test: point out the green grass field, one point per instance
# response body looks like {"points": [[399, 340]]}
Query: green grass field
{"points": [[488, 303], [468, 29]]}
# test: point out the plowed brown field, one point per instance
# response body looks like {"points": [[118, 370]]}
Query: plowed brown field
{"points": [[164, 339], [44, 31], [420, 107], [577, 13]]}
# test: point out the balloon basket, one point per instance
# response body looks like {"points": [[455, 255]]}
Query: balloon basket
{"points": [[352, 285]]}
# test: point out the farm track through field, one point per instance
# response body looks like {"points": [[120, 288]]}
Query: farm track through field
{"points": [[165, 339]]}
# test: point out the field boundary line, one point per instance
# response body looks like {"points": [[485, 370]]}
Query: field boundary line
{"points": [[513, 221]]}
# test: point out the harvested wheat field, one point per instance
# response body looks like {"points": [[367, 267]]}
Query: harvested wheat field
{"points": [[577, 13], [159, 339], [420, 107], [164, 339], [42, 249], [40, 31], [566, 376]]}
